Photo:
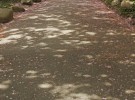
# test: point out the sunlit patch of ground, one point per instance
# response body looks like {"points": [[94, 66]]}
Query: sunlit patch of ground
{"points": [[5, 85]]}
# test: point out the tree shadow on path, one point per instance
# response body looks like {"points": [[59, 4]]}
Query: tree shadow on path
{"points": [[67, 50]]}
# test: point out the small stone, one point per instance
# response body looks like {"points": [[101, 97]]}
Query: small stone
{"points": [[115, 2], [6, 15], [27, 2], [126, 4]]}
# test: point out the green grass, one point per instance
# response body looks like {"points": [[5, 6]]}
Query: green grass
{"points": [[108, 2], [7, 3]]}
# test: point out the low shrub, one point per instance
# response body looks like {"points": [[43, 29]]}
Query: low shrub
{"points": [[128, 12], [7, 3]]}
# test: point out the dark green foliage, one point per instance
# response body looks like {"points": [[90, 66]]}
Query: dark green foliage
{"points": [[9, 0], [36, 0], [128, 12], [7, 3], [4, 4], [108, 1]]}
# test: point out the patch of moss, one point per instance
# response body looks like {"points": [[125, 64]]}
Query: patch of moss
{"points": [[108, 2], [5, 4]]}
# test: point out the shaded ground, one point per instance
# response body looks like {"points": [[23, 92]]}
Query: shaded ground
{"points": [[67, 50]]}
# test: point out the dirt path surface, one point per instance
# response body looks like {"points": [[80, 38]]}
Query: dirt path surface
{"points": [[67, 50]]}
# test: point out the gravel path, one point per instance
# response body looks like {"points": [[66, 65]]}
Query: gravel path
{"points": [[67, 50]]}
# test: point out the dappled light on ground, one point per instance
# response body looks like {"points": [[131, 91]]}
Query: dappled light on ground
{"points": [[5, 85], [67, 52]]}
